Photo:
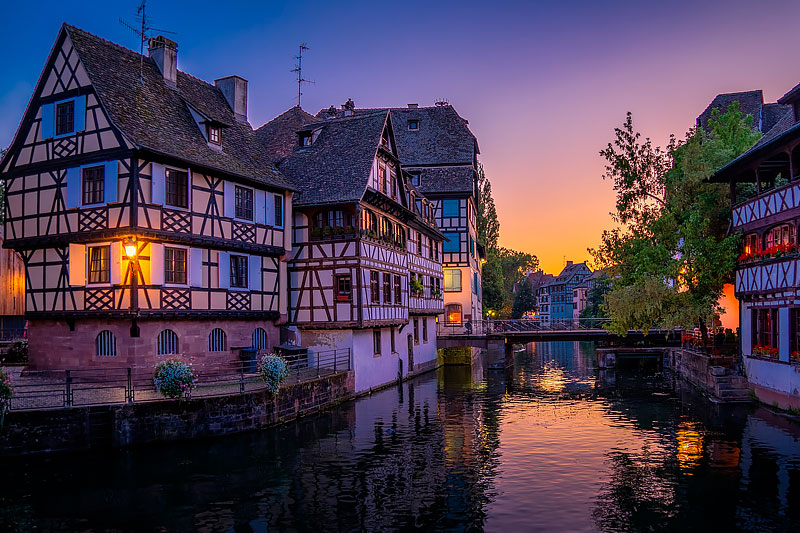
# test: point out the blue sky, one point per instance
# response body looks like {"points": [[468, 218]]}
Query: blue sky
{"points": [[543, 84]]}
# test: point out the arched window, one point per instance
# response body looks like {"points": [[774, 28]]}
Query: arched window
{"points": [[260, 339], [167, 342], [106, 344], [780, 235], [452, 314], [217, 340]]}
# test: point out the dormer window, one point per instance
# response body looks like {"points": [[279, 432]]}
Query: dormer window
{"points": [[65, 117], [413, 125], [415, 179], [214, 135], [305, 138]]}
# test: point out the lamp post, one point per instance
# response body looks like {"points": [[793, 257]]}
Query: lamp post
{"points": [[131, 247]]}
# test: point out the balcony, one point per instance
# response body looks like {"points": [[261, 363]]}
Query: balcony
{"points": [[767, 204], [768, 274]]}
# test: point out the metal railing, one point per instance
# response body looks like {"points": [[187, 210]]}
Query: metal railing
{"points": [[52, 389], [486, 327]]}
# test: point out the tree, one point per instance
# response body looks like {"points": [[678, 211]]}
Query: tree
{"points": [[595, 297], [671, 255], [487, 222], [525, 300]]}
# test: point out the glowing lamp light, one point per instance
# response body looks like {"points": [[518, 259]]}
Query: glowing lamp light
{"points": [[130, 247]]}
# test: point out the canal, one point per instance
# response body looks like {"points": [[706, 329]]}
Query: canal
{"points": [[549, 445]]}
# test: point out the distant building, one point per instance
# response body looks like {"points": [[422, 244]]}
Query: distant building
{"points": [[555, 297], [579, 298]]}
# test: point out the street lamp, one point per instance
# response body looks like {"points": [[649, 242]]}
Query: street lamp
{"points": [[130, 247]]}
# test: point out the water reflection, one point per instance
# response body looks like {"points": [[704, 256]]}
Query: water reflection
{"points": [[549, 445]]}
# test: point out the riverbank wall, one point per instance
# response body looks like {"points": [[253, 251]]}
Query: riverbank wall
{"points": [[117, 426]]}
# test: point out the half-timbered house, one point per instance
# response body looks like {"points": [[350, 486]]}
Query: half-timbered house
{"points": [[765, 195], [366, 271], [149, 217], [440, 153]]}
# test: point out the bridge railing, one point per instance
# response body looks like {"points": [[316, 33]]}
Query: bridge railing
{"points": [[484, 327]]}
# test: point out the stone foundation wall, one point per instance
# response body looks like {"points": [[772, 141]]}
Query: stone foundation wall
{"points": [[84, 428], [52, 346]]}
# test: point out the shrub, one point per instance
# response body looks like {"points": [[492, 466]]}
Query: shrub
{"points": [[174, 378], [6, 390], [17, 352], [273, 370]]}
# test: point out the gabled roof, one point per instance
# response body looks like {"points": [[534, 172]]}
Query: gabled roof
{"points": [[279, 136], [750, 103], [156, 118], [336, 167], [445, 179]]}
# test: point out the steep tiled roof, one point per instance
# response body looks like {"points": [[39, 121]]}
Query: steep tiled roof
{"points": [[336, 167], [750, 103], [445, 179], [771, 114], [279, 135], [155, 117], [443, 136]]}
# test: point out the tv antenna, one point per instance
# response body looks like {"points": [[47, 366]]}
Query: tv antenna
{"points": [[143, 33], [299, 70]]}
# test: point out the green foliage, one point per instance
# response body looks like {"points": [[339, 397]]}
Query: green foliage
{"points": [[6, 389], [525, 300], [17, 352], [672, 254], [273, 370], [174, 378], [488, 224], [595, 299], [415, 285]]}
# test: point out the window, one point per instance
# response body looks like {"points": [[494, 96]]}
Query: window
{"points": [[475, 284], [430, 248], [259, 340], [344, 289], [752, 244], [382, 178], [239, 271], [278, 211], [217, 340], [415, 178], [177, 188], [392, 189], [453, 243], [175, 265], [780, 235], [106, 344], [452, 314], [794, 348], [765, 328], [452, 280], [424, 330], [93, 185], [305, 138], [449, 208], [99, 264], [471, 246], [398, 295], [65, 117], [391, 337], [387, 288], [413, 125], [419, 243], [416, 331], [374, 286], [167, 342], [214, 136], [376, 342], [243, 207]]}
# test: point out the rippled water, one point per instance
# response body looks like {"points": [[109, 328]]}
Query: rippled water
{"points": [[551, 445]]}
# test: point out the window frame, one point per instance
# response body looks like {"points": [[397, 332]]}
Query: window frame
{"points": [[235, 273], [278, 211], [169, 171], [240, 208], [416, 332], [398, 290], [413, 124], [107, 270], [102, 184], [451, 242], [340, 295], [447, 212], [424, 331], [210, 133], [450, 309], [445, 280], [374, 287], [57, 106], [172, 249], [377, 343]]}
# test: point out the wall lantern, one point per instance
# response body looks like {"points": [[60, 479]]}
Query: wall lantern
{"points": [[130, 247]]}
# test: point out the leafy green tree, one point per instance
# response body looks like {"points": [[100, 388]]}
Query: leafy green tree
{"points": [[525, 299], [595, 297], [671, 255], [488, 224]]}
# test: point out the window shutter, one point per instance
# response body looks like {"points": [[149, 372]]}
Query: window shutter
{"points": [[110, 181], [116, 262], [48, 121], [73, 187], [77, 264], [254, 275], [196, 267], [270, 209], [224, 270], [157, 182], [259, 207], [156, 263], [229, 200], [80, 113]]}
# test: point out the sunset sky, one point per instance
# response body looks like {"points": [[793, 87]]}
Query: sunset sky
{"points": [[542, 84]]}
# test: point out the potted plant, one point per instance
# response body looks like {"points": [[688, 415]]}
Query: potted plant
{"points": [[174, 379], [327, 231], [273, 370], [415, 286], [6, 393], [436, 294], [316, 233]]}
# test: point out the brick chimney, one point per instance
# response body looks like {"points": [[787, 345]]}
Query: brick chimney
{"points": [[569, 263], [165, 53], [234, 89], [348, 107]]}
